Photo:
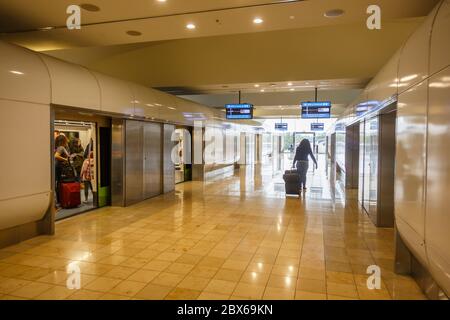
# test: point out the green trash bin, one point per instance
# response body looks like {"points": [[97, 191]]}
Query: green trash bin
{"points": [[104, 197]]}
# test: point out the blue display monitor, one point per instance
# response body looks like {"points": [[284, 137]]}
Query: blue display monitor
{"points": [[316, 110], [317, 126], [239, 111], [281, 126]]}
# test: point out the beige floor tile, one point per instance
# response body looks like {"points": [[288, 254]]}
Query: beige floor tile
{"points": [[341, 289], [144, 276], [239, 230], [189, 259], [167, 279], [85, 295], [153, 292], [31, 290], [194, 283], [220, 286], [103, 284], [8, 285], [111, 296], [334, 297], [375, 294], [120, 272], [278, 294], [305, 295], [179, 268], [276, 281], [183, 294], [157, 265], [128, 288], [204, 272], [114, 260], [340, 277], [229, 275], [235, 264], [255, 278], [212, 296], [311, 285], [249, 291], [55, 293]]}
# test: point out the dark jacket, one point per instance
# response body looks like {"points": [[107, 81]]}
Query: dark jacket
{"points": [[302, 152]]}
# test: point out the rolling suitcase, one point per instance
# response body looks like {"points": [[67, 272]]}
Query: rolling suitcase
{"points": [[69, 195], [291, 180]]}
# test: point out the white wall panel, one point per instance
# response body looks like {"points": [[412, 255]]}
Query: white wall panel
{"points": [[144, 104], [384, 85], [438, 178], [413, 67], [25, 162], [23, 75], [440, 39], [410, 166], [72, 85], [116, 95]]}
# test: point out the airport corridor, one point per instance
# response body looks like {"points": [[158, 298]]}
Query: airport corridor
{"points": [[234, 238]]}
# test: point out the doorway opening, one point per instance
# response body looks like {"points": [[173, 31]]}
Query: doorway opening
{"points": [[82, 163], [183, 160]]}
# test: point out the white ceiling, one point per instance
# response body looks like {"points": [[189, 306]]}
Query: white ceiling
{"points": [[19, 19], [226, 52]]}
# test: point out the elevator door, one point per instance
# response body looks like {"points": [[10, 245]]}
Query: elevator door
{"points": [[152, 160], [133, 166]]}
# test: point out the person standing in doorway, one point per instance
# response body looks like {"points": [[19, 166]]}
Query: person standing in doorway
{"points": [[301, 162], [76, 155], [87, 175]]}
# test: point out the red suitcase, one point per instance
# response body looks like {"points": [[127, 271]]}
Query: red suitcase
{"points": [[69, 195]]}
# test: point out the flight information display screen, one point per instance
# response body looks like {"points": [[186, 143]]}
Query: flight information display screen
{"points": [[316, 110], [317, 126], [239, 111], [281, 126]]}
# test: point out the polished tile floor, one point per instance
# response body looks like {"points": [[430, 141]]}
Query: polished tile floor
{"points": [[235, 238]]}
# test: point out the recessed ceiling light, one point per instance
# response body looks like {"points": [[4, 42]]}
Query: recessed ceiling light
{"points": [[161, 0], [258, 21], [334, 13], [292, 89], [191, 26], [256, 85], [134, 33], [262, 90], [289, 83], [89, 7], [16, 72]]}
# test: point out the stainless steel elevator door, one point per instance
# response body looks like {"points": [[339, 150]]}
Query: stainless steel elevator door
{"points": [[133, 163], [152, 160]]}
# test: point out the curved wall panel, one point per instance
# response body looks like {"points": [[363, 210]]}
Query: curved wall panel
{"points": [[440, 39], [25, 164], [23, 75], [144, 102], [116, 95], [22, 210], [384, 85], [72, 85], [414, 59], [411, 165], [437, 224]]}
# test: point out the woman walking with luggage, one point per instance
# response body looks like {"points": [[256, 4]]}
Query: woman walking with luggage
{"points": [[301, 162]]}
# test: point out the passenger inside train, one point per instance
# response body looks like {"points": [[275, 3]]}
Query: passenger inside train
{"points": [[225, 150]]}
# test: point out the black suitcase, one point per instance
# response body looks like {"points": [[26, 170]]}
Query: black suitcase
{"points": [[291, 180]]}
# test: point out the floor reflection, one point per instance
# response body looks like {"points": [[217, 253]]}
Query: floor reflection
{"points": [[236, 238]]}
